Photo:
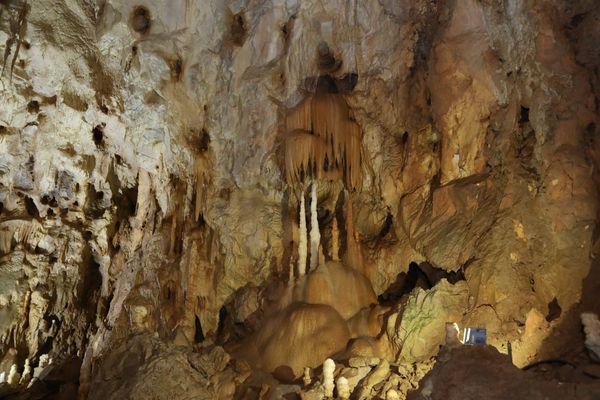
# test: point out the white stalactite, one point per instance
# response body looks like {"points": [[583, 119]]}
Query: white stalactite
{"points": [[315, 235], [302, 246]]}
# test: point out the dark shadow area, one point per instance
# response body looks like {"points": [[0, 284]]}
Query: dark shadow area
{"points": [[423, 275], [198, 333], [330, 84], [59, 383]]}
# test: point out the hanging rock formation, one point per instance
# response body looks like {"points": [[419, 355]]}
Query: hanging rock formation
{"points": [[155, 155]]}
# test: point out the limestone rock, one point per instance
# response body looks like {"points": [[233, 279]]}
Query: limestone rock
{"points": [[417, 333], [337, 285], [129, 369], [301, 335], [392, 395], [591, 328], [13, 376], [357, 362], [477, 365], [354, 376], [342, 387], [280, 391], [377, 375], [328, 370], [143, 189]]}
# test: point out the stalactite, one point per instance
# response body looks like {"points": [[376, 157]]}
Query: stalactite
{"points": [[302, 246], [322, 140], [349, 227], [335, 241], [202, 181], [172, 242], [302, 151], [353, 256], [315, 235]]}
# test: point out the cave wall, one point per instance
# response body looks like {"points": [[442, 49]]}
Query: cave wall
{"points": [[141, 187]]}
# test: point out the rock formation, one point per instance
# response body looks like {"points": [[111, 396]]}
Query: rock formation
{"points": [[591, 328], [155, 237]]}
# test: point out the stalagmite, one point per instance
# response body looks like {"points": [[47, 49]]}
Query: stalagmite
{"points": [[328, 368], [392, 395], [315, 235], [26, 377], [302, 246], [42, 364], [13, 376], [353, 256], [306, 377], [335, 241], [343, 389]]}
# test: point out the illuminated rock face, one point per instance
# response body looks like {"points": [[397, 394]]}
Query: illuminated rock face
{"points": [[152, 152], [300, 336]]}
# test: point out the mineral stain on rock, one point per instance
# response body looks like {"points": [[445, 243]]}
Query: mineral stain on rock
{"points": [[140, 20]]}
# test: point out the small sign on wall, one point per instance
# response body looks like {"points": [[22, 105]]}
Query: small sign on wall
{"points": [[475, 336]]}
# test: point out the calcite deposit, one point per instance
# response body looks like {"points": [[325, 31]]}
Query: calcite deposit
{"points": [[204, 198]]}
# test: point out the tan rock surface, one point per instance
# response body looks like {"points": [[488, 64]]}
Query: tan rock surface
{"points": [[143, 190]]}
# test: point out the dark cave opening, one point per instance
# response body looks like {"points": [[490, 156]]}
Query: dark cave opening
{"points": [[223, 313], [554, 310], [524, 115], [140, 20], [31, 207], [98, 135], [423, 275], [198, 333]]}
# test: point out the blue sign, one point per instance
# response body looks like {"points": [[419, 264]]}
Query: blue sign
{"points": [[475, 336]]}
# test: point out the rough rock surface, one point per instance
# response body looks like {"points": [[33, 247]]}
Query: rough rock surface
{"points": [[468, 371], [143, 191], [126, 373], [415, 334]]}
